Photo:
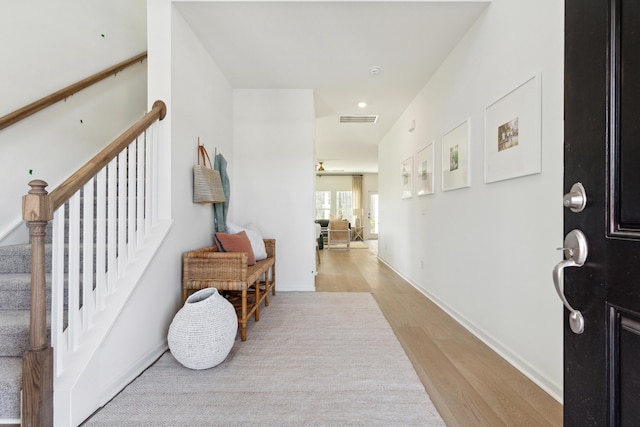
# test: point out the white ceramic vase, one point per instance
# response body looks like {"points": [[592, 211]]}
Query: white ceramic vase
{"points": [[203, 331]]}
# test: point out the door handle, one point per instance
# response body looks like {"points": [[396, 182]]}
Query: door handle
{"points": [[575, 253]]}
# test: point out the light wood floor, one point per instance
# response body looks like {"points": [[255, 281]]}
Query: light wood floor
{"points": [[468, 382]]}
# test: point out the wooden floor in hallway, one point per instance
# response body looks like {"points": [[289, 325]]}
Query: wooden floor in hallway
{"points": [[467, 381]]}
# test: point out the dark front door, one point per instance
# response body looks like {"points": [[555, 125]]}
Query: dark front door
{"points": [[602, 152]]}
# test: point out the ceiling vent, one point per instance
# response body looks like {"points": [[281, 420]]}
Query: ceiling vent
{"points": [[358, 119]]}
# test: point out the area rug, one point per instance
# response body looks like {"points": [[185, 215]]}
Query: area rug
{"points": [[313, 359]]}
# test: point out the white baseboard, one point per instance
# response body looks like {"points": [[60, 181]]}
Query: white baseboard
{"points": [[132, 373], [552, 389], [72, 404]]}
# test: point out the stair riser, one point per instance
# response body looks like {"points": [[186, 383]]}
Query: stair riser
{"points": [[21, 262], [19, 298], [16, 342], [14, 332], [10, 385], [18, 261]]}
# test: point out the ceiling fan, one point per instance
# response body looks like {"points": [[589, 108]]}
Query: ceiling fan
{"points": [[320, 168]]}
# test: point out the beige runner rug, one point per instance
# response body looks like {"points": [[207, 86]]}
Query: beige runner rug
{"points": [[313, 359]]}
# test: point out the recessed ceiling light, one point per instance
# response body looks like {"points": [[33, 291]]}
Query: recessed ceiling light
{"points": [[362, 104]]}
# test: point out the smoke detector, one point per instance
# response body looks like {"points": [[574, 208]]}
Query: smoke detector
{"points": [[374, 70]]}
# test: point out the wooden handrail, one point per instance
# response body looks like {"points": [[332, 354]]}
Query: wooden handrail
{"points": [[49, 100], [38, 208], [72, 184]]}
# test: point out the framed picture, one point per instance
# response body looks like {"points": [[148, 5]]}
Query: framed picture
{"points": [[455, 157], [512, 133], [424, 175], [406, 176]]}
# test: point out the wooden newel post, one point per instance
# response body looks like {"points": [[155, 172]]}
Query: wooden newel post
{"points": [[37, 368]]}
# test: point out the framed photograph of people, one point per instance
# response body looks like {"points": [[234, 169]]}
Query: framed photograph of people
{"points": [[512, 139], [455, 157]]}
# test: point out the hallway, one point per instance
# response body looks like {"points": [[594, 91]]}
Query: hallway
{"points": [[467, 381]]}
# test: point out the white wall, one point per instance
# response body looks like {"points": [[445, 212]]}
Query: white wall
{"points": [[199, 101], [273, 183], [334, 183], [48, 46], [485, 253]]}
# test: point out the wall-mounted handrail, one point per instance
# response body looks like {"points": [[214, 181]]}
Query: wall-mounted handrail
{"points": [[49, 100], [72, 184]]}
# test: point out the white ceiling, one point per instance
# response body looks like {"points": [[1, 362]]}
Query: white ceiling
{"points": [[329, 46]]}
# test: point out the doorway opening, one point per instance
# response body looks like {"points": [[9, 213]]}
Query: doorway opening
{"points": [[372, 216]]}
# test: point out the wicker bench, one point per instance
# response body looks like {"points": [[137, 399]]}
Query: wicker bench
{"points": [[228, 272]]}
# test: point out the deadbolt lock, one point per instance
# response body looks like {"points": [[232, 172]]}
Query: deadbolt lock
{"points": [[576, 199]]}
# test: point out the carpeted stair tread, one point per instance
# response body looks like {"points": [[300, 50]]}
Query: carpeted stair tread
{"points": [[10, 385], [15, 291], [15, 295], [17, 258], [16, 249], [14, 332]]}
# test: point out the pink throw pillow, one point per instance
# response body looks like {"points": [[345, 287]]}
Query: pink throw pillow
{"points": [[236, 243]]}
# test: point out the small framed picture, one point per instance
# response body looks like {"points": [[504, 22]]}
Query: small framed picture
{"points": [[455, 157], [424, 175], [406, 177], [512, 139]]}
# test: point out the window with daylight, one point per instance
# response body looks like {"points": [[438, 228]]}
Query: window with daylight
{"points": [[344, 205], [323, 204]]}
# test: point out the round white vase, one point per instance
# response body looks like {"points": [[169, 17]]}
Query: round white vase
{"points": [[203, 331]]}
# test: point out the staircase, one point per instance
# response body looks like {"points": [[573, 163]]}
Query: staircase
{"points": [[77, 317], [15, 286], [95, 240], [15, 290]]}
